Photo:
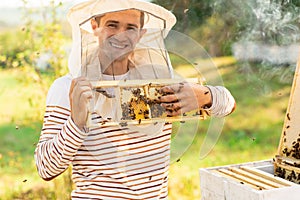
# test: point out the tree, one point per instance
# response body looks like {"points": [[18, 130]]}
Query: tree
{"points": [[216, 24], [267, 21], [189, 13], [43, 34]]}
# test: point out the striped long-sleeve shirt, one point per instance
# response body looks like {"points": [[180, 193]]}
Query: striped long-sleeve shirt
{"points": [[108, 162]]}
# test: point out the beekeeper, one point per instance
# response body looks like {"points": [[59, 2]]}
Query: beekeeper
{"points": [[115, 40]]}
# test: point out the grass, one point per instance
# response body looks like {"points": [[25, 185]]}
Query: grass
{"points": [[22, 107], [251, 133]]}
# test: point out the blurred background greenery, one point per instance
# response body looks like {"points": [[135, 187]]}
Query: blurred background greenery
{"points": [[34, 49]]}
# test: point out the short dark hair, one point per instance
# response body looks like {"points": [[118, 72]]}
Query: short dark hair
{"points": [[142, 18]]}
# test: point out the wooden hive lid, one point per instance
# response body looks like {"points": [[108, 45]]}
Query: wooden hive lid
{"points": [[287, 160]]}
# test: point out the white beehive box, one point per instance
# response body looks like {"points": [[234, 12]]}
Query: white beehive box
{"points": [[276, 179], [247, 181]]}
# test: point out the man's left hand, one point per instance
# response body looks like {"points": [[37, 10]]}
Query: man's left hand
{"points": [[184, 97]]}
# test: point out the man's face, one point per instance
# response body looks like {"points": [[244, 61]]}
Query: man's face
{"points": [[118, 33]]}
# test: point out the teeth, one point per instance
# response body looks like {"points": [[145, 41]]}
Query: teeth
{"points": [[118, 46]]}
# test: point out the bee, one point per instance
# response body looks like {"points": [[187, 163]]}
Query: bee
{"points": [[123, 124]]}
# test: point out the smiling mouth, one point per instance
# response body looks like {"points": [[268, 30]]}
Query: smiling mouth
{"points": [[118, 46]]}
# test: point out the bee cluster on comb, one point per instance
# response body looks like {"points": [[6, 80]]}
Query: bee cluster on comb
{"points": [[143, 104], [287, 163], [139, 103], [287, 160]]}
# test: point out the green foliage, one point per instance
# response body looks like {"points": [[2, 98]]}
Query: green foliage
{"points": [[23, 47], [215, 35], [201, 20], [216, 24], [14, 49], [189, 13], [271, 21]]}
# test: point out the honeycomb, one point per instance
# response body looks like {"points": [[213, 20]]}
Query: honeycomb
{"points": [[141, 103]]}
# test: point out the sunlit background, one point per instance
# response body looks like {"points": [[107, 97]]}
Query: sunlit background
{"points": [[254, 44]]}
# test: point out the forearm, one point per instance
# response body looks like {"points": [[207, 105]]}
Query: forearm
{"points": [[59, 142]]}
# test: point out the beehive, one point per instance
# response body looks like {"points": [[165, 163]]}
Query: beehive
{"points": [[246, 181], [275, 179], [138, 101]]}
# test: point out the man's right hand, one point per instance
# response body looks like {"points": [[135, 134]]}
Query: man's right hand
{"points": [[80, 95]]}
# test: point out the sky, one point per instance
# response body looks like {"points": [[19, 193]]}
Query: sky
{"points": [[10, 13], [17, 3]]}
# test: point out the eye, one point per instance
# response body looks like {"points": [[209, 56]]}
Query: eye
{"points": [[112, 25], [132, 28]]}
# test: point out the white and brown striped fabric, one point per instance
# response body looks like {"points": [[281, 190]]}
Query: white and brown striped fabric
{"points": [[108, 162]]}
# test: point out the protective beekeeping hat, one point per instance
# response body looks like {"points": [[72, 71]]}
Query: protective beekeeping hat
{"points": [[150, 57]]}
